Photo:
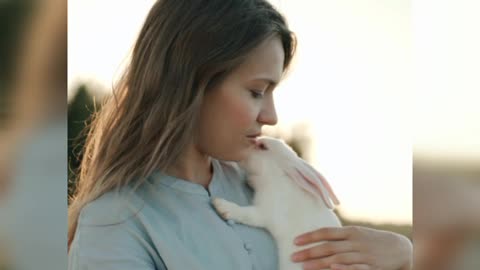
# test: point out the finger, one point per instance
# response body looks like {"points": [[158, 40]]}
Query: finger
{"points": [[323, 234], [341, 258], [350, 267], [323, 250]]}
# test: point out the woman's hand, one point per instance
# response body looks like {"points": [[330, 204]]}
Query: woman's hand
{"points": [[354, 248]]}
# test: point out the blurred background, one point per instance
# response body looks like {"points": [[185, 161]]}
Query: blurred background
{"points": [[33, 134], [446, 134], [382, 99]]}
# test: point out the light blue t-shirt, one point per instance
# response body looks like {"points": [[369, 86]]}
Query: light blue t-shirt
{"points": [[170, 223]]}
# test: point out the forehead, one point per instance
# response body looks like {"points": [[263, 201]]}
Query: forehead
{"points": [[264, 63]]}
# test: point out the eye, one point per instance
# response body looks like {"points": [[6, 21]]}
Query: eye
{"points": [[256, 94]]}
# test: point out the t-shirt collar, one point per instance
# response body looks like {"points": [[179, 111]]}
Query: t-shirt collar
{"points": [[215, 185]]}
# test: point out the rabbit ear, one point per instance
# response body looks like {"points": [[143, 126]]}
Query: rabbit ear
{"points": [[312, 181], [324, 181]]}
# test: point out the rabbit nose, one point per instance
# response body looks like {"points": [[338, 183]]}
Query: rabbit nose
{"points": [[261, 146]]}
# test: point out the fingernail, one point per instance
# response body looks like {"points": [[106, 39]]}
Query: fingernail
{"points": [[296, 257], [298, 240]]}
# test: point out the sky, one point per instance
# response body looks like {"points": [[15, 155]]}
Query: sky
{"points": [[362, 80]]}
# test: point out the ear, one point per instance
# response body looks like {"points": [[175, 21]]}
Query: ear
{"points": [[309, 179]]}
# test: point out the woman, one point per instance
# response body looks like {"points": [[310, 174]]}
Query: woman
{"points": [[197, 92]]}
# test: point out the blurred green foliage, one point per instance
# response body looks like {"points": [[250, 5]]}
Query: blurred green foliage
{"points": [[80, 109]]}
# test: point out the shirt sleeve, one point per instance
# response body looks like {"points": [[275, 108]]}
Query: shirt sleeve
{"points": [[112, 247]]}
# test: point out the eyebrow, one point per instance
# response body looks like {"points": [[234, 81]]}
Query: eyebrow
{"points": [[268, 80]]}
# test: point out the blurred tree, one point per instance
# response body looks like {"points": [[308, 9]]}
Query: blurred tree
{"points": [[80, 110]]}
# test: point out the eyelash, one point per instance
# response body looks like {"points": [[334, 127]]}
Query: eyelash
{"points": [[256, 94]]}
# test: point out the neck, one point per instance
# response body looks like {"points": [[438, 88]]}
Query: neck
{"points": [[193, 166]]}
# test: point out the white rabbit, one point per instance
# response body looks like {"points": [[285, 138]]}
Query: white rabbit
{"points": [[291, 198]]}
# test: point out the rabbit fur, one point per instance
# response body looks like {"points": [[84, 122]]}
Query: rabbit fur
{"points": [[291, 198]]}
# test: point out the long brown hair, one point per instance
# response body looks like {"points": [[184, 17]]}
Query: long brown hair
{"points": [[184, 48]]}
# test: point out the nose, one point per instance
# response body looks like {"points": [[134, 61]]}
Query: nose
{"points": [[268, 115]]}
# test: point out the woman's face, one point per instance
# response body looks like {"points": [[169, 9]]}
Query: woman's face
{"points": [[239, 106]]}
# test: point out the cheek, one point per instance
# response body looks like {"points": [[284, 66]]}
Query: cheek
{"points": [[242, 113], [226, 121], [228, 113]]}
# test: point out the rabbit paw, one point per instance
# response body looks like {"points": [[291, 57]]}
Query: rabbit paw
{"points": [[225, 208]]}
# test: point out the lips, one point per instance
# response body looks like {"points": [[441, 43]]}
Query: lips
{"points": [[253, 138], [254, 135]]}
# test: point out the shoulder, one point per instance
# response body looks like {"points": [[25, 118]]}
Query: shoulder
{"points": [[113, 207], [116, 246], [109, 234]]}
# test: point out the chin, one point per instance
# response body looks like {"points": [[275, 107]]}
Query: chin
{"points": [[247, 152], [237, 154], [237, 157], [240, 156]]}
